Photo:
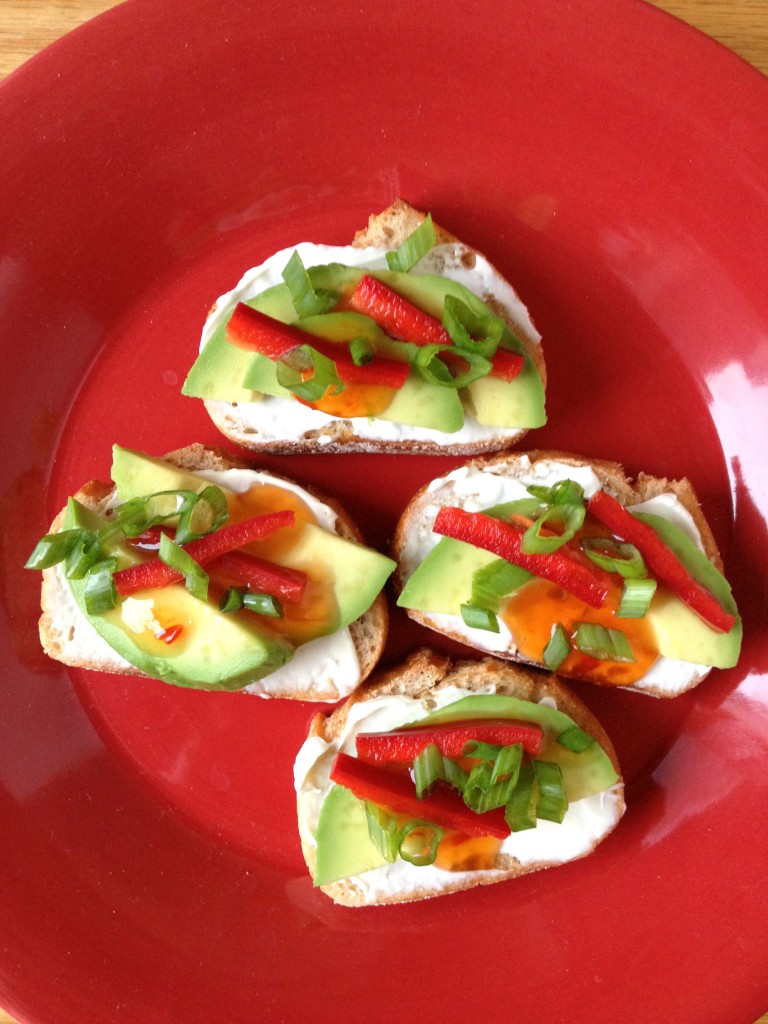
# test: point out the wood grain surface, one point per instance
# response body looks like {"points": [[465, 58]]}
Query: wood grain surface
{"points": [[28, 26]]}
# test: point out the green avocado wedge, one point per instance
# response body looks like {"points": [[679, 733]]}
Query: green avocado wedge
{"points": [[225, 372]]}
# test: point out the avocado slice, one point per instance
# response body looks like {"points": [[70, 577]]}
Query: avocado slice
{"points": [[680, 633], [344, 848]]}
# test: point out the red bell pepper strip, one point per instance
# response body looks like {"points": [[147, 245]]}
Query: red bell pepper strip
{"points": [[250, 329], [503, 538], [395, 791], [154, 573], [403, 320], [261, 576], [506, 364], [663, 563], [403, 745], [399, 317]]}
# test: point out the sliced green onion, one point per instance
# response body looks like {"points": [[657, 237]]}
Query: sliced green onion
{"points": [[614, 556], [197, 514], [564, 492], [53, 548], [636, 598], [507, 764], [492, 781], [495, 580], [518, 813], [382, 830], [479, 618], [558, 648], [552, 803], [477, 786], [470, 332], [263, 604], [306, 300], [361, 350], [416, 245], [427, 769], [100, 591], [428, 364], [567, 518], [83, 556], [323, 375], [195, 577], [454, 774], [575, 739], [482, 751], [231, 600], [418, 842], [602, 643], [206, 514]]}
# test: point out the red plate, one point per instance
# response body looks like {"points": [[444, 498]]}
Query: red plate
{"points": [[613, 164]]}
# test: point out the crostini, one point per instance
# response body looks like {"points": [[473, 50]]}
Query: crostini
{"points": [[562, 562], [200, 570], [438, 776], [405, 341]]}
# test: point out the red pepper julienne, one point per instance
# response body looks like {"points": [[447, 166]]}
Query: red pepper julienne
{"points": [[403, 320], [663, 562], [403, 745], [395, 791], [154, 573], [502, 538], [250, 329], [261, 575]]}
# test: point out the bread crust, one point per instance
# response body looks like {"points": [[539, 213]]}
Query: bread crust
{"points": [[385, 229], [423, 674], [614, 479], [369, 632]]}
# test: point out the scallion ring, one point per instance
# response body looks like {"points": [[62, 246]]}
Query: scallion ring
{"points": [[603, 643], [195, 577], [614, 556], [414, 247], [308, 374], [636, 598], [306, 299]]}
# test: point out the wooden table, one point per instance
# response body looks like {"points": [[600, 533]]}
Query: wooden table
{"points": [[27, 26]]}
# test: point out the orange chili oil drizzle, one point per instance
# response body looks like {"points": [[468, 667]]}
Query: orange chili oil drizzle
{"points": [[531, 613]]}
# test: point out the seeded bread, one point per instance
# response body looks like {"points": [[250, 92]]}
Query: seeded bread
{"points": [[423, 675], [419, 514], [386, 229], [67, 636]]}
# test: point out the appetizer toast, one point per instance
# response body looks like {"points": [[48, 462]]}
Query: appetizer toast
{"points": [[407, 341], [514, 774], [291, 606], [562, 562]]}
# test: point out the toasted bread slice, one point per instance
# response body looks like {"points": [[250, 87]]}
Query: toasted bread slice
{"points": [[492, 475], [269, 425], [423, 682], [68, 636]]}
